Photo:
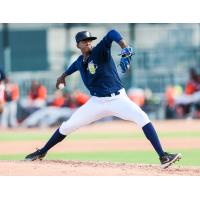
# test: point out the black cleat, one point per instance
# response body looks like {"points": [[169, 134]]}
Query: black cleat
{"points": [[37, 155], [167, 159]]}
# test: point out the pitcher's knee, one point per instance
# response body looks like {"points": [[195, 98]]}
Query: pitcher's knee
{"points": [[143, 119], [66, 128]]}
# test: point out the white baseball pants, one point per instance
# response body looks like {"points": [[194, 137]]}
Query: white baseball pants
{"points": [[98, 107]]}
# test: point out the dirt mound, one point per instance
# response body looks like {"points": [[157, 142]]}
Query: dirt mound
{"points": [[79, 168]]}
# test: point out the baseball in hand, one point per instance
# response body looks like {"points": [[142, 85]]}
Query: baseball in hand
{"points": [[61, 86]]}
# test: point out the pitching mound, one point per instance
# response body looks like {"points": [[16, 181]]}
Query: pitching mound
{"points": [[77, 168]]}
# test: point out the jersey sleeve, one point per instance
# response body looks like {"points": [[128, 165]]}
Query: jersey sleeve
{"points": [[104, 46], [71, 69], [111, 36]]}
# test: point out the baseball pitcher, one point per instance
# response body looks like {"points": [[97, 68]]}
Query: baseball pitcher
{"points": [[108, 97]]}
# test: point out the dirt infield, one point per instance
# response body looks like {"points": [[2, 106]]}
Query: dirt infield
{"points": [[77, 168]]}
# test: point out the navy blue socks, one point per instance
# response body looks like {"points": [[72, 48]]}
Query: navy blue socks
{"points": [[55, 138], [152, 136]]}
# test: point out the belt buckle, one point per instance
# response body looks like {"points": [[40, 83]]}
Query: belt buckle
{"points": [[112, 94]]}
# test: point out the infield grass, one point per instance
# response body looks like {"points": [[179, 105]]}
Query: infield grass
{"points": [[25, 136], [190, 157]]}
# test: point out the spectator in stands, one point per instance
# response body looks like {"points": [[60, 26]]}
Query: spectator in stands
{"points": [[171, 93], [188, 102], [70, 100], [11, 96], [37, 95], [60, 107], [36, 99], [193, 85], [59, 99], [80, 98]]}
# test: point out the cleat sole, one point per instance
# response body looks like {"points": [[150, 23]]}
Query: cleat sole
{"points": [[177, 158]]}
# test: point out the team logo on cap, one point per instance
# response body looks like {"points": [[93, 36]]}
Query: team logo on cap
{"points": [[92, 67]]}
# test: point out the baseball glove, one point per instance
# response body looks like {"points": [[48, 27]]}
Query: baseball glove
{"points": [[125, 60]]}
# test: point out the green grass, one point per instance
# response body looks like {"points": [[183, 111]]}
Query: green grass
{"points": [[90, 136], [190, 157]]}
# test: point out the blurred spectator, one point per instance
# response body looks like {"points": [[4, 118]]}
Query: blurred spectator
{"points": [[193, 85], [188, 103], [36, 99], [58, 109], [37, 95], [171, 93], [80, 98], [70, 101], [58, 100], [11, 96]]}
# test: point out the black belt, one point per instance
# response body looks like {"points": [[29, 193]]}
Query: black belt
{"points": [[109, 95]]}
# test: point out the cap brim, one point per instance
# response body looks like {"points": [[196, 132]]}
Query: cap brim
{"points": [[90, 38]]}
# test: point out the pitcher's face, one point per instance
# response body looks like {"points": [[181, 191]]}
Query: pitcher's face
{"points": [[85, 46]]}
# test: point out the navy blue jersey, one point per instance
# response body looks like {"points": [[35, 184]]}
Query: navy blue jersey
{"points": [[99, 73]]}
